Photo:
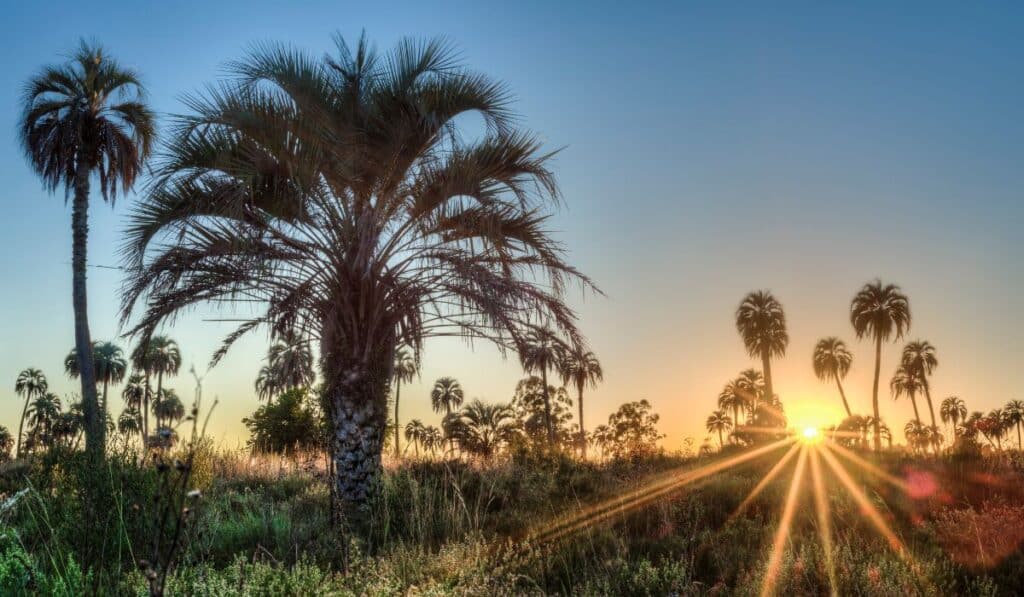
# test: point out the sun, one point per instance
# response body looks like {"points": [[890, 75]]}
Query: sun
{"points": [[811, 435]]}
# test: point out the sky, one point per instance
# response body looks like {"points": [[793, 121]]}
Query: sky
{"points": [[706, 150]]}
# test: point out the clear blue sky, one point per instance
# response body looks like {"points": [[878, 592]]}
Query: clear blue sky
{"points": [[708, 151]]}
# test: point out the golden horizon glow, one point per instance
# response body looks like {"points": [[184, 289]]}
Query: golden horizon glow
{"points": [[811, 435]]}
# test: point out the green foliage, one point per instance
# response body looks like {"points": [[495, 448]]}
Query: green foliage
{"points": [[285, 424]]}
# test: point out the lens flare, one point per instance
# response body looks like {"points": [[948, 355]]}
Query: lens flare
{"points": [[811, 435]]}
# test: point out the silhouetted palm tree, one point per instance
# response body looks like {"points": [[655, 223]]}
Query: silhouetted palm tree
{"points": [[42, 415], [953, 410], [731, 398], [405, 369], [81, 118], [31, 384], [905, 383], [432, 438], [541, 351], [446, 396], [761, 323], [718, 422], [879, 312], [414, 434], [109, 365], [832, 361], [377, 226], [485, 427], [919, 359], [168, 408], [163, 358], [289, 366], [130, 422], [751, 386], [917, 435], [1013, 413], [581, 368]]}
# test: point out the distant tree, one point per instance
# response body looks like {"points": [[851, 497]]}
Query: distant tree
{"points": [[85, 117], [879, 312], [289, 365], [633, 429], [486, 427], [751, 386], [1013, 414], [109, 366], [832, 360], [164, 359], [719, 422], [404, 369], [917, 435], [168, 408], [731, 398], [283, 425], [446, 396], [761, 323], [42, 415], [541, 408], [540, 352], [905, 383], [31, 384], [993, 426], [581, 368], [6, 444], [953, 411], [415, 434], [432, 438], [919, 359], [130, 422]]}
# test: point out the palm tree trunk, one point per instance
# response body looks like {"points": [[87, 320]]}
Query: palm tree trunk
{"points": [[931, 410], [21, 426], [547, 407], [766, 364], [842, 395], [721, 444], [398, 393], [83, 341], [583, 433], [917, 417], [145, 413], [159, 392], [874, 394], [1018, 435]]}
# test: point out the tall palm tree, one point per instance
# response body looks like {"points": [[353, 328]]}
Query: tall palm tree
{"points": [[1013, 414], [405, 369], [289, 366], [446, 396], [832, 360], [108, 363], [995, 426], [414, 434], [761, 323], [581, 368], [719, 422], [905, 383], [42, 415], [541, 350], [85, 117], [164, 358], [731, 398], [919, 359], [432, 438], [141, 362], [168, 408], [953, 411], [31, 384], [485, 427], [130, 422], [879, 311], [378, 224]]}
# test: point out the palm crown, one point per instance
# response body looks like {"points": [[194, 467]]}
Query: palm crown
{"points": [[761, 323], [832, 360], [446, 395]]}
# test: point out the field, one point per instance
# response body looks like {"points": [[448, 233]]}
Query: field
{"points": [[261, 527]]}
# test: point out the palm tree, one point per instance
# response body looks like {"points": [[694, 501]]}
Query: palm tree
{"points": [[163, 358], [994, 425], [719, 422], [581, 367], [1013, 413], [485, 427], [906, 383], [141, 362], [378, 224], [289, 366], [6, 443], [761, 323], [541, 350], [731, 398], [414, 434], [952, 411], [832, 361], [919, 359], [130, 422], [405, 369], [86, 117], [917, 435], [446, 396], [108, 363], [879, 312], [31, 383], [168, 408], [432, 438], [751, 386], [42, 415]]}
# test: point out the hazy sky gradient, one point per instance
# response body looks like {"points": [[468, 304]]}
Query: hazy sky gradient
{"points": [[707, 152]]}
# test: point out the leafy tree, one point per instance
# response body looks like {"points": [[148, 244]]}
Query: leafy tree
{"points": [[81, 118], [832, 360], [761, 323], [6, 444], [953, 411], [31, 384], [283, 425], [633, 430], [719, 422], [541, 351], [581, 368], [109, 365], [405, 368], [540, 409], [339, 192], [879, 312]]}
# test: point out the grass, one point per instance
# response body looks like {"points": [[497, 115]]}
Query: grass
{"points": [[460, 529]]}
